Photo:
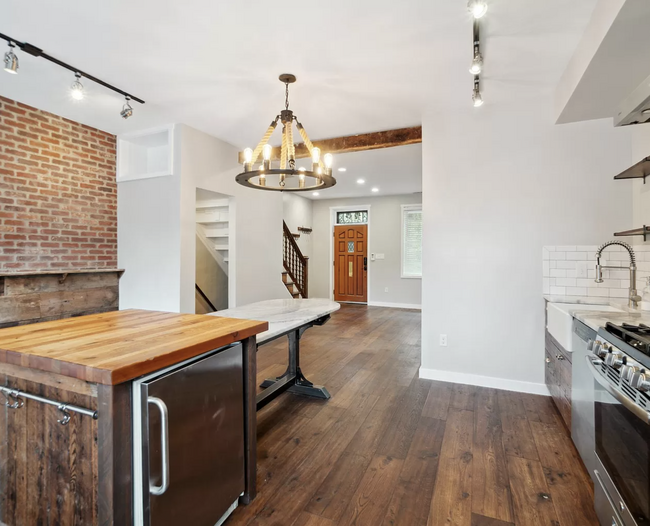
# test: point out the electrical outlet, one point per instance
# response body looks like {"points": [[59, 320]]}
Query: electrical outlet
{"points": [[443, 340], [386, 289]]}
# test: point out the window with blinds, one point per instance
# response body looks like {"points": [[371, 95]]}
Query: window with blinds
{"points": [[411, 241]]}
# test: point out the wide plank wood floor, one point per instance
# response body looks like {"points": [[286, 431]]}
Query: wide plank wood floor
{"points": [[390, 449]]}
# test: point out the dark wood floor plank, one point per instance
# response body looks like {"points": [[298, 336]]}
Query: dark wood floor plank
{"points": [[490, 480], [307, 519], [369, 503], [481, 520], [451, 503], [463, 397], [512, 404], [541, 409], [532, 503], [565, 475], [437, 404], [412, 497], [517, 437]]}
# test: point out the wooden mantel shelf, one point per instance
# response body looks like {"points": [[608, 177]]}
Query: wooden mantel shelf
{"points": [[5, 274], [115, 347]]}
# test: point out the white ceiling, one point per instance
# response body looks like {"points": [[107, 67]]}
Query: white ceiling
{"points": [[393, 171], [362, 65], [611, 62]]}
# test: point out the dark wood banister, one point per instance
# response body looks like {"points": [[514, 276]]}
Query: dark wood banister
{"points": [[295, 263]]}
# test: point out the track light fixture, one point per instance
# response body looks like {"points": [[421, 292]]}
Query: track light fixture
{"points": [[476, 93], [477, 63], [127, 110], [478, 8], [11, 60], [77, 88]]}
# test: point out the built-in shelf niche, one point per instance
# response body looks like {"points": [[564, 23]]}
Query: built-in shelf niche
{"points": [[145, 154]]}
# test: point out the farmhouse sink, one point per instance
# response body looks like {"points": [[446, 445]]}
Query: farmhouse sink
{"points": [[560, 319]]}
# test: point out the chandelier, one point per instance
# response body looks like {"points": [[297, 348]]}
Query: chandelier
{"points": [[286, 178]]}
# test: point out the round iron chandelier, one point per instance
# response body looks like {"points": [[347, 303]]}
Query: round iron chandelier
{"points": [[286, 178]]}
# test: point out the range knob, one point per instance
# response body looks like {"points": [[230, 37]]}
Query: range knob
{"points": [[627, 371], [615, 359], [640, 381], [598, 349]]}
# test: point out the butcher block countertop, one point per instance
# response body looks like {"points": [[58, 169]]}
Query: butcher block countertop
{"points": [[115, 347]]}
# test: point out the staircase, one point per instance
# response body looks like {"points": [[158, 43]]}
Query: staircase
{"points": [[295, 275]]}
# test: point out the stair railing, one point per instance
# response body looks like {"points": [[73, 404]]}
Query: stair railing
{"points": [[294, 262]]}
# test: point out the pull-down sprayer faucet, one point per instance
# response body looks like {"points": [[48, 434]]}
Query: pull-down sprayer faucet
{"points": [[634, 297]]}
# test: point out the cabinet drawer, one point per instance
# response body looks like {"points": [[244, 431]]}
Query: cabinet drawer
{"points": [[554, 345], [558, 381]]}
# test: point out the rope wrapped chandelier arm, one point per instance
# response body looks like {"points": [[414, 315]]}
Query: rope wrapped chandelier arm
{"points": [[286, 178]]}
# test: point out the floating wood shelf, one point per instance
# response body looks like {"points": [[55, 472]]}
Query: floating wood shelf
{"points": [[640, 170], [295, 236], [304, 229], [644, 231]]}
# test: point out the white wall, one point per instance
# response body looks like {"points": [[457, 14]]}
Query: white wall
{"points": [[498, 184], [157, 229], [384, 237], [298, 212]]}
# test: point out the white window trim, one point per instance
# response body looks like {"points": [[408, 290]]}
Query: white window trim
{"points": [[405, 208]]}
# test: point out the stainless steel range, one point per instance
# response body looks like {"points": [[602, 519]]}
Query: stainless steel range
{"points": [[620, 364]]}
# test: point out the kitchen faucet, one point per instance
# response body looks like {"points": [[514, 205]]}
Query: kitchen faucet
{"points": [[634, 297]]}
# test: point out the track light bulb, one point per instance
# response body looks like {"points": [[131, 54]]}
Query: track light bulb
{"points": [[77, 88], [477, 98], [477, 64], [478, 8], [11, 60], [127, 110]]}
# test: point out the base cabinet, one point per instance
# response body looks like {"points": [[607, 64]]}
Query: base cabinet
{"points": [[558, 376]]}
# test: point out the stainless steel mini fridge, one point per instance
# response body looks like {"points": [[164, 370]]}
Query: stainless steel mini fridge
{"points": [[189, 441]]}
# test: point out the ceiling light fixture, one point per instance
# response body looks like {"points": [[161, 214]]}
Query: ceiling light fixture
{"points": [[343, 169], [375, 189], [361, 181], [478, 8], [127, 110], [476, 93], [286, 178], [11, 60], [477, 60], [315, 194], [77, 88]]}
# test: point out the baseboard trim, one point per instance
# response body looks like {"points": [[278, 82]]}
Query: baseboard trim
{"points": [[395, 305], [484, 381]]}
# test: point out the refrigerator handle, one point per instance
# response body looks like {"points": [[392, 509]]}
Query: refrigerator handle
{"points": [[164, 446]]}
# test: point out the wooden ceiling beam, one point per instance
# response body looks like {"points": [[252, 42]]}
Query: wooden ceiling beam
{"points": [[357, 143]]}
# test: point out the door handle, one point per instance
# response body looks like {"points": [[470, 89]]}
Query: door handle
{"points": [[164, 446], [365, 263], [351, 269]]}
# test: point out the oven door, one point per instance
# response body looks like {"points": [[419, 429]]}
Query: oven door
{"points": [[622, 433]]}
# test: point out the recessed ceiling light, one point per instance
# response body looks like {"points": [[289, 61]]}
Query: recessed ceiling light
{"points": [[343, 169], [375, 189], [361, 181], [315, 194]]}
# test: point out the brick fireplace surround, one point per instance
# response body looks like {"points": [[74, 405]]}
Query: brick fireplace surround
{"points": [[58, 216]]}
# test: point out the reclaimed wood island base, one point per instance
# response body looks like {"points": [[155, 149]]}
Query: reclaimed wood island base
{"points": [[81, 473]]}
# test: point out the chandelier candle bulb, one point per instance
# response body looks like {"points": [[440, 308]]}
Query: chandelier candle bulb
{"points": [[328, 159], [315, 156], [248, 158]]}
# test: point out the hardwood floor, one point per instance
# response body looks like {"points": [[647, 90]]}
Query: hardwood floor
{"points": [[390, 449]]}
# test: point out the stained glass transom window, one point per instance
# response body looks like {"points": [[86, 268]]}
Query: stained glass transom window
{"points": [[345, 218]]}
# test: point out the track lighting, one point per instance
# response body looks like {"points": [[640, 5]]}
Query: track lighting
{"points": [[478, 8], [11, 60], [476, 93], [127, 110], [77, 88]]}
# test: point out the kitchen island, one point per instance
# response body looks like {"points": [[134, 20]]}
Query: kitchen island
{"points": [[66, 432]]}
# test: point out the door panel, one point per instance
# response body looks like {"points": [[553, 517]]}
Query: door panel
{"points": [[350, 263]]}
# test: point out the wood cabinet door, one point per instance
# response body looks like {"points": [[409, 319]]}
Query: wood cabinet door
{"points": [[351, 263]]}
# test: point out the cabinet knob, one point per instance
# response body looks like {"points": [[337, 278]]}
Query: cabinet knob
{"points": [[559, 357], [548, 360]]}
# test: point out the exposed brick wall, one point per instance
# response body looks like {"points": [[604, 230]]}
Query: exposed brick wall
{"points": [[58, 195]]}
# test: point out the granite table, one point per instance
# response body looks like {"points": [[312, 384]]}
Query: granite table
{"points": [[291, 318]]}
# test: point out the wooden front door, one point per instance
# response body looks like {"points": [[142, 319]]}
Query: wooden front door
{"points": [[351, 263]]}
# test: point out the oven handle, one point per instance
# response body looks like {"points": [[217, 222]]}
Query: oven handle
{"points": [[629, 404]]}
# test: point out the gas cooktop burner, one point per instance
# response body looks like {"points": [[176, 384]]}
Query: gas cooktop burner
{"points": [[638, 336]]}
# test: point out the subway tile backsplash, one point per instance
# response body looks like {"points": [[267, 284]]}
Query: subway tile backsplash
{"points": [[571, 271]]}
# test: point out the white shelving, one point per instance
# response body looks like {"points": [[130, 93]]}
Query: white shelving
{"points": [[145, 154]]}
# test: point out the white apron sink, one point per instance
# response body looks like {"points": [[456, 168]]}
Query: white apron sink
{"points": [[560, 319]]}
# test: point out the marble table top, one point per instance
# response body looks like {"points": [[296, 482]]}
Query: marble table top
{"points": [[282, 315]]}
